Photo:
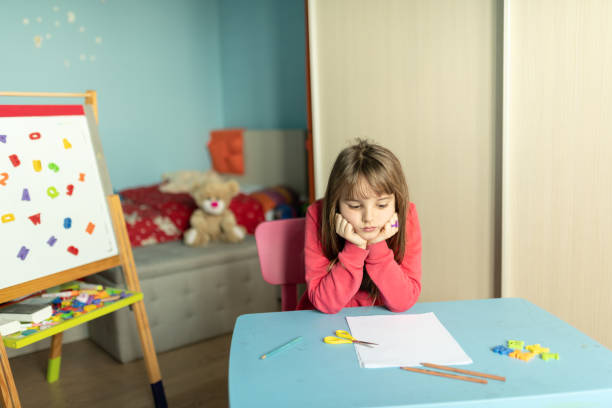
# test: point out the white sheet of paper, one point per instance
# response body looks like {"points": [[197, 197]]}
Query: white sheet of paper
{"points": [[405, 340]]}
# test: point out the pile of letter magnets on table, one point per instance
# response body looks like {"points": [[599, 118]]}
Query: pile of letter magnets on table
{"points": [[515, 350]]}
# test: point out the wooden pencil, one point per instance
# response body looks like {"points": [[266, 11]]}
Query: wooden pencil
{"points": [[459, 370], [440, 374]]}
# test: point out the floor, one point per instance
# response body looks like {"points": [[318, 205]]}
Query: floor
{"points": [[193, 376]]}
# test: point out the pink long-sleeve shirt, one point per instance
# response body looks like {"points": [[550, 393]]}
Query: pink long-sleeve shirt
{"points": [[399, 285]]}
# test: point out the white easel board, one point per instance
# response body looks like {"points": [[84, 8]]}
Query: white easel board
{"points": [[53, 208]]}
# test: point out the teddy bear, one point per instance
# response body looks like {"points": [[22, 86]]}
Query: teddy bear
{"points": [[213, 220]]}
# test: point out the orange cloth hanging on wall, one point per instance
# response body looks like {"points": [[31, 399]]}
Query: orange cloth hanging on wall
{"points": [[226, 150]]}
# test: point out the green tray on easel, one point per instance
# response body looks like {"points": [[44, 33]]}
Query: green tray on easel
{"points": [[17, 340]]}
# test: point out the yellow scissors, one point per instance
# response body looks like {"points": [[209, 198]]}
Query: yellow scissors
{"points": [[344, 337]]}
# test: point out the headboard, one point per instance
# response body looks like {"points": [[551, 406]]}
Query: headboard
{"points": [[275, 157]]}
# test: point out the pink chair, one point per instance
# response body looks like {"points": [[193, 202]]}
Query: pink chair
{"points": [[280, 246]]}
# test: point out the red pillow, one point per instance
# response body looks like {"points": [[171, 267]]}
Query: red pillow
{"points": [[248, 211], [153, 217], [147, 226], [151, 196]]}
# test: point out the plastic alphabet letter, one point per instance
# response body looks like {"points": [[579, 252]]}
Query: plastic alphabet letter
{"points": [[25, 196], [52, 241], [37, 165], [14, 160], [516, 344], [35, 135], [73, 250], [90, 228], [23, 252], [67, 222], [54, 167], [8, 218], [503, 350], [549, 356], [522, 355], [52, 192], [3, 138], [67, 144], [81, 176], [70, 189], [35, 219], [3, 178], [537, 349]]}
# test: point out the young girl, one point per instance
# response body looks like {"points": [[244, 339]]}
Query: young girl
{"points": [[363, 240]]}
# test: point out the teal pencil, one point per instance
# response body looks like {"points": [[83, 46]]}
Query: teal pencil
{"points": [[283, 347]]}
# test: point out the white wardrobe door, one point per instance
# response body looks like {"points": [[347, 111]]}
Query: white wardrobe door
{"points": [[422, 78], [557, 191]]}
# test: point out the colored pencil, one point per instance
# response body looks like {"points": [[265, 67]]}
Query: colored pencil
{"points": [[283, 347], [459, 370], [440, 374]]}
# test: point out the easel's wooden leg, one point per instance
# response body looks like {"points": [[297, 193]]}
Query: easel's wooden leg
{"points": [[7, 400], [55, 358], [133, 284], [150, 357], [10, 398]]}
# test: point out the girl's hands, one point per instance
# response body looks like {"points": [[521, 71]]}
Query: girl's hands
{"points": [[346, 231], [387, 231]]}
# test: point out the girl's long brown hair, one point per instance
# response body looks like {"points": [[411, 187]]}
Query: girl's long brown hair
{"points": [[383, 172]]}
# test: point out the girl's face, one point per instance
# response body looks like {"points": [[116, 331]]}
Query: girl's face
{"points": [[368, 214]]}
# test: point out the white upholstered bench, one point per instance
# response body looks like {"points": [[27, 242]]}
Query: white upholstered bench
{"points": [[190, 294]]}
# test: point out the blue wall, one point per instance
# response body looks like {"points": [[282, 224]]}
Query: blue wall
{"points": [[263, 48], [155, 66], [164, 75]]}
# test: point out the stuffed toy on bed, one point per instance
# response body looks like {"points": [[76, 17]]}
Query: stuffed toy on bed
{"points": [[213, 220]]}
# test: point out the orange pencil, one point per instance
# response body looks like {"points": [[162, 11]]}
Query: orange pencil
{"points": [[440, 374], [459, 370]]}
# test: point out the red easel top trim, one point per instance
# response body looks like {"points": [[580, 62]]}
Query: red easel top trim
{"points": [[9, 111]]}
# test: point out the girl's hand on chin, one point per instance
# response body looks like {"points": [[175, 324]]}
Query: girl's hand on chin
{"points": [[387, 231], [346, 231]]}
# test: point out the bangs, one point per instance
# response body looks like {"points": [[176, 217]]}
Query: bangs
{"points": [[362, 186]]}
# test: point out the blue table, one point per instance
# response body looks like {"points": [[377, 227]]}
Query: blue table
{"points": [[315, 374]]}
